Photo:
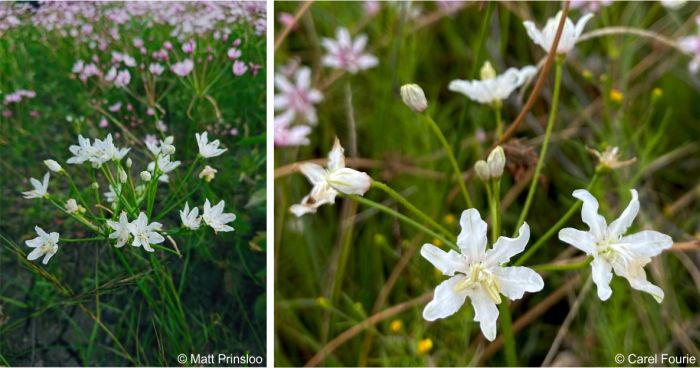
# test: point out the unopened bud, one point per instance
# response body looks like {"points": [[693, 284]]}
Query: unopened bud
{"points": [[95, 185], [122, 176], [496, 162], [128, 162], [482, 170], [72, 206], [208, 173], [145, 176], [487, 71], [53, 165], [414, 97]]}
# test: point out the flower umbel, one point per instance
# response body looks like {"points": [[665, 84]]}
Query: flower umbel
{"points": [[477, 273], [612, 250]]}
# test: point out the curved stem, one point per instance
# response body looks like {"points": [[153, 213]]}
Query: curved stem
{"points": [[574, 207], [450, 155], [399, 198], [545, 145], [403, 218]]}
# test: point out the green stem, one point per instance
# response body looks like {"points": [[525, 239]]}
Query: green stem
{"points": [[403, 218], [495, 210], [574, 207], [79, 240], [563, 267], [451, 157], [499, 123], [508, 337], [399, 198], [545, 145], [182, 183]]}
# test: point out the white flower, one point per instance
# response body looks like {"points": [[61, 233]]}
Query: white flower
{"points": [[145, 176], [477, 273], [208, 149], [493, 90], [569, 35], [161, 147], [296, 100], [414, 97], [121, 230], [40, 188], [44, 245], [344, 53], [626, 255], [691, 45], [190, 219], [97, 153], [112, 195], [610, 158], [208, 173], [81, 153], [144, 233], [673, 4], [53, 165], [72, 206], [156, 69], [216, 218], [328, 182], [164, 167]]}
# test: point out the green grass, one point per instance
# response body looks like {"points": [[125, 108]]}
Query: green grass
{"points": [[347, 263], [94, 304]]}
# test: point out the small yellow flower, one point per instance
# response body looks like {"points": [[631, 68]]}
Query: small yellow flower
{"points": [[425, 346], [395, 326], [323, 302], [437, 242], [656, 94], [449, 219], [587, 75], [616, 95]]}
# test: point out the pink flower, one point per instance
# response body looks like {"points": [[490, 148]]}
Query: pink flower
{"points": [[236, 42], [156, 69], [150, 140], [345, 54], [296, 100], [182, 68], [239, 68], [104, 123], [189, 46], [138, 43], [233, 53], [116, 107], [167, 45], [78, 67], [254, 68], [111, 74], [291, 136], [286, 19], [371, 7], [233, 132], [123, 79]]}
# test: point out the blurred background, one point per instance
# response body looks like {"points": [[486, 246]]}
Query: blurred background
{"points": [[84, 308], [350, 285]]}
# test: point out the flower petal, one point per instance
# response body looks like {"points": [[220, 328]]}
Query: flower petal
{"points": [[634, 273], [582, 240], [620, 226], [589, 213], [336, 158], [472, 238], [515, 281], [35, 254], [505, 247], [647, 243], [315, 173], [446, 262], [581, 24], [446, 301], [485, 312], [602, 274], [349, 181]]}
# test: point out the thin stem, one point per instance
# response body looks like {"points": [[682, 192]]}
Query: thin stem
{"points": [[499, 123], [182, 183], [574, 207], [563, 267], [545, 145], [79, 240], [450, 155], [508, 337], [399, 198], [403, 218], [495, 211]]}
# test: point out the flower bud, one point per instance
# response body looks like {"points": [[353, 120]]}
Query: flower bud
{"points": [[72, 206], [128, 162], [414, 97], [145, 176], [53, 165], [208, 173], [496, 162], [487, 71], [482, 170], [122, 176], [95, 185]]}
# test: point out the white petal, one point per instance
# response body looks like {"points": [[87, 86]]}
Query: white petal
{"points": [[472, 238], [505, 247], [34, 254], [582, 240], [589, 213], [485, 312], [336, 159], [446, 301], [620, 226], [349, 181], [47, 257], [515, 281], [315, 173], [601, 271], [647, 243], [534, 33], [581, 24], [446, 262], [300, 210], [634, 273]]}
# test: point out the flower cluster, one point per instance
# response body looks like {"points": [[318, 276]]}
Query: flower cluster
{"points": [[131, 219]]}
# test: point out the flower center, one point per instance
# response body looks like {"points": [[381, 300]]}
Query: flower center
{"points": [[478, 275]]}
